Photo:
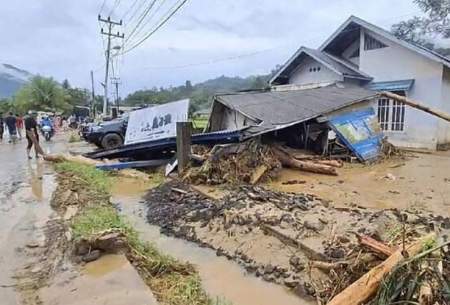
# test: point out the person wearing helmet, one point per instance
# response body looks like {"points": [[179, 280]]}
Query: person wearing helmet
{"points": [[32, 135]]}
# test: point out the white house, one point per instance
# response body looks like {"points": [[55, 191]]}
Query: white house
{"points": [[363, 54]]}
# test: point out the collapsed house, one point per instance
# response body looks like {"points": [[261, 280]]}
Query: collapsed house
{"points": [[321, 119]]}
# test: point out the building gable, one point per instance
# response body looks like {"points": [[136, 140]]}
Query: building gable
{"points": [[311, 71]]}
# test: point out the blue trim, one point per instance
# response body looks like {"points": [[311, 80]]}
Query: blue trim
{"points": [[398, 85]]}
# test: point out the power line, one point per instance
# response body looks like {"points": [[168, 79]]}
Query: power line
{"points": [[130, 9], [135, 12], [109, 35], [143, 15], [150, 18], [236, 57], [116, 4], [102, 7], [156, 29]]}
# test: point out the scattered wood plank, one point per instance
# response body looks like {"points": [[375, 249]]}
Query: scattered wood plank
{"points": [[375, 245], [258, 173], [291, 241], [308, 166], [177, 190], [366, 286]]}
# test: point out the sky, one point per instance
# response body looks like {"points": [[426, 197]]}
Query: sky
{"points": [[203, 40]]}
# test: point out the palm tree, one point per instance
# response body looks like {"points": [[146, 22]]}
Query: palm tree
{"points": [[43, 94]]}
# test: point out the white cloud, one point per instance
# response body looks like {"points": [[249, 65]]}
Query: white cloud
{"points": [[61, 38]]}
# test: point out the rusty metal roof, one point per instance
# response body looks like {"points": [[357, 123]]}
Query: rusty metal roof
{"points": [[279, 109]]}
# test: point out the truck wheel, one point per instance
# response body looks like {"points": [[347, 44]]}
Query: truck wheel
{"points": [[112, 140]]}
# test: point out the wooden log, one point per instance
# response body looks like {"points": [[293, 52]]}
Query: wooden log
{"points": [[308, 166], [333, 163], [366, 286], [438, 113], [291, 241], [375, 245], [183, 145], [37, 147], [327, 266]]}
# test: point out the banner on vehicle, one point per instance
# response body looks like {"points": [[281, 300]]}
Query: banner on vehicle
{"points": [[156, 123]]}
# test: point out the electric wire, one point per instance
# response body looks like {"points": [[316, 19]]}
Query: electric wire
{"points": [[164, 21]]}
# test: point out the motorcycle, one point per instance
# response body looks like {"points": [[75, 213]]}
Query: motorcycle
{"points": [[47, 132]]}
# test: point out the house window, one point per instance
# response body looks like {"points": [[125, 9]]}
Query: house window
{"points": [[391, 115], [371, 43]]}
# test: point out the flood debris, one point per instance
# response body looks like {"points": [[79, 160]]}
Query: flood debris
{"points": [[295, 240]]}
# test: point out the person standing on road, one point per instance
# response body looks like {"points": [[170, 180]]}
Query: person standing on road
{"points": [[19, 126], [10, 122], [32, 135], [2, 124]]}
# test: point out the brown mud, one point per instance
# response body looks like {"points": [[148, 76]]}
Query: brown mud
{"points": [[220, 277], [420, 181], [277, 235], [26, 221]]}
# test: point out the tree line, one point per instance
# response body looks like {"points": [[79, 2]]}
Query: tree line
{"points": [[46, 94]]}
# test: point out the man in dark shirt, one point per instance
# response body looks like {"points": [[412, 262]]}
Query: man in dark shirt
{"points": [[10, 122], [1, 126], [32, 135]]}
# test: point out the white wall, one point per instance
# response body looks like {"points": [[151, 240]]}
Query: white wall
{"points": [[303, 76], [444, 126], [397, 63]]}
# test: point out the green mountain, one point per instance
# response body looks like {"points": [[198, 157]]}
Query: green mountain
{"points": [[200, 94], [12, 79]]}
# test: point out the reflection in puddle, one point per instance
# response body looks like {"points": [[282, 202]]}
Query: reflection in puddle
{"points": [[104, 265]]}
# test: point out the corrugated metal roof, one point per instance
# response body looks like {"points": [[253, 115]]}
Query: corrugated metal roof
{"points": [[328, 60], [278, 109], [398, 85]]}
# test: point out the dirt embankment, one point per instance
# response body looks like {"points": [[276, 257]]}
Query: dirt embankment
{"points": [[296, 240]]}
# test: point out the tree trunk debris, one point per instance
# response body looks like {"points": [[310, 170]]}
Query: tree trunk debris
{"points": [[366, 286]]}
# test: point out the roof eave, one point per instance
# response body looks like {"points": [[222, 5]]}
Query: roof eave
{"points": [[384, 33]]}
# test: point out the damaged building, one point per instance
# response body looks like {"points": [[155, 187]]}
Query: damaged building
{"points": [[353, 64], [366, 55], [303, 118]]}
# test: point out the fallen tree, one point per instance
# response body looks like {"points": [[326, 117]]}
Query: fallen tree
{"points": [[366, 286], [308, 166]]}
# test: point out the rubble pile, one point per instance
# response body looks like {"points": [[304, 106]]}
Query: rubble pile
{"points": [[295, 240], [252, 161], [235, 163]]}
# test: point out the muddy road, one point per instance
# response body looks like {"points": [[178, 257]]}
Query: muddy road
{"points": [[26, 187]]}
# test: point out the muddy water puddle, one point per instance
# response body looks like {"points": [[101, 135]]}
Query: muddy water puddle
{"points": [[421, 182], [109, 280], [221, 278]]}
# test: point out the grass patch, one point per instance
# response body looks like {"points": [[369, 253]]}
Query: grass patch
{"points": [[95, 179], [172, 282]]}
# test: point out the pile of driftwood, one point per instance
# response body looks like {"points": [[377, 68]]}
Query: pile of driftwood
{"points": [[252, 161], [417, 273]]}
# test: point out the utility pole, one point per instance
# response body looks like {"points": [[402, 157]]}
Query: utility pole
{"points": [[93, 95], [116, 81], [110, 34]]}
